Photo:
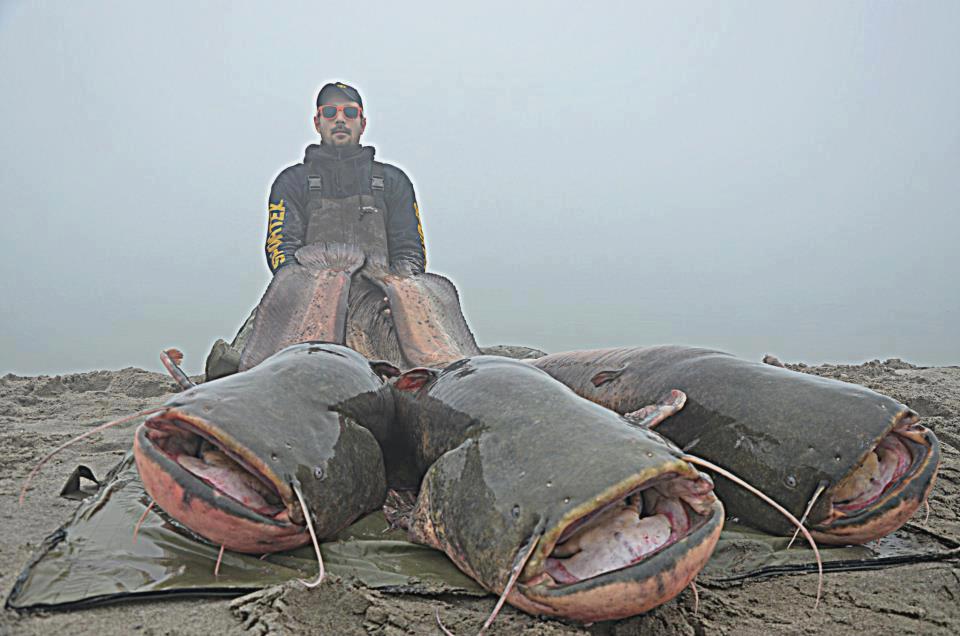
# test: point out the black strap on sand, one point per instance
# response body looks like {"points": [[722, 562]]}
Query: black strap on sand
{"points": [[72, 489]]}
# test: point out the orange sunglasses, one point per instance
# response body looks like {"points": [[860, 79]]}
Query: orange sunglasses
{"points": [[329, 111]]}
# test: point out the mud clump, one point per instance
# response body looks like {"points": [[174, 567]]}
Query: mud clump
{"points": [[93, 381], [137, 383], [291, 609]]}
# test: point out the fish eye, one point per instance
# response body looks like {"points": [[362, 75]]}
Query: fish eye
{"points": [[318, 472], [791, 481], [516, 512]]}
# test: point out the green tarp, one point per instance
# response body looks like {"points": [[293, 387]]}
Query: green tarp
{"points": [[94, 557]]}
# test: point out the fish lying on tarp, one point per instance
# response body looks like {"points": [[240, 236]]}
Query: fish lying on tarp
{"points": [[523, 481], [237, 460], [858, 463]]}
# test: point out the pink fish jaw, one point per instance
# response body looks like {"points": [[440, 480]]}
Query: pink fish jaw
{"points": [[225, 481], [625, 540]]}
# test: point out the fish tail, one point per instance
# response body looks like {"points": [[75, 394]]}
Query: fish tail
{"points": [[331, 256]]}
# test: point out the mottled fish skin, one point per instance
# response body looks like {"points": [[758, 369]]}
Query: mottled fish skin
{"points": [[787, 433], [280, 420], [305, 301], [333, 293], [429, 321], [370, 327], [504, 454]]}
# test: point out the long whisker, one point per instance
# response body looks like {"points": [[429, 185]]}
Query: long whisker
{"points": [[93, 431], [696, 596], [216, 568], [136, 528], [514, 575], [313, 537], [443, 628], [806, 512], [786, 513]]}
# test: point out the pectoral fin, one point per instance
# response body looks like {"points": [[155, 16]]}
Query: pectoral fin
{"points": [[650, 416]]}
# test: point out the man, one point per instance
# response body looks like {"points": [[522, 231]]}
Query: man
{"points": [[339, 194]]}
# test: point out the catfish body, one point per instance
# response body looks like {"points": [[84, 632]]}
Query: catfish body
{"points": [[512, 461], [788, 433]]}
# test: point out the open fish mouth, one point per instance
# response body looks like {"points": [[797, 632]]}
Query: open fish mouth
{"points": [[216, 487], [646, 543], [627, 530], [885, 489]]}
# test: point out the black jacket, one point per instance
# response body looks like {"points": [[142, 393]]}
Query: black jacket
{"points": [[345, 172]]}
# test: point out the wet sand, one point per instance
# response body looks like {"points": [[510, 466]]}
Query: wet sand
{"points": [[39, 413]]}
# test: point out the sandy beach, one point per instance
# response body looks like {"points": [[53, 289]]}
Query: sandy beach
{"points": [[39, 413]]}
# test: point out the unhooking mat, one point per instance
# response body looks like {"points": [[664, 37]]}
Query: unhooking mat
{"points": [[94, 557]]}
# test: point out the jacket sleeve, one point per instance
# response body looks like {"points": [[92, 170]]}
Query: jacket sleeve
{"points": [[285, 220], [404, 229]]}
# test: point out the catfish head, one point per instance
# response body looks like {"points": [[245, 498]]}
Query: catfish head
{"points": [[884, 489], [559, 505], [248, 461]]}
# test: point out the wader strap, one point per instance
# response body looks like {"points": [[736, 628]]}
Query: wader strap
{"points": [[314, 192], [378, 187]]}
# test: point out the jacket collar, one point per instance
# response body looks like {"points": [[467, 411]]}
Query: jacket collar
{"points": [[336, 153]]}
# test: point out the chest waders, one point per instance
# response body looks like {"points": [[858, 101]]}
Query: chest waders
{"points": [[358, 220]]}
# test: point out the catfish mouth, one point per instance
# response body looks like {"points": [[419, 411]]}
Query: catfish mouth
{"points": [[626, 531], [886, 488], [213, 486]]}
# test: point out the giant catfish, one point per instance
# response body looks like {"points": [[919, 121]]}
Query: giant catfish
{"points": [[857, 463], [523, 481]]}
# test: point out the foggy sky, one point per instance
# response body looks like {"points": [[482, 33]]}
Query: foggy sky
{"points": [[754, 177]]}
